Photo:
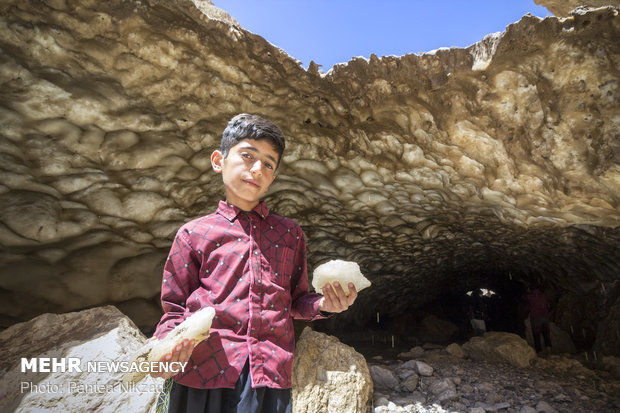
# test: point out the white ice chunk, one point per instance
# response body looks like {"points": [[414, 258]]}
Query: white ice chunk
{"points": [[196, 327], [344, 272]]}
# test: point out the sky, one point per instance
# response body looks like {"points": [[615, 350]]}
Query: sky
{"points": [[334, 31]]}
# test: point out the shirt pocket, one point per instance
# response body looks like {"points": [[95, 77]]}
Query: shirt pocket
{"points": [[281, 262]]}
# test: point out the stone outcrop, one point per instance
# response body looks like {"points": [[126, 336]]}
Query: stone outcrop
{"points": [[435, 172], [99, 336], [501, 348], [564, 7], [329, 376]]}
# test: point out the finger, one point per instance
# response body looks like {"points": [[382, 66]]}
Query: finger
{"points": [[186, 352], [341, 296], [332, 298], [352, 294]]}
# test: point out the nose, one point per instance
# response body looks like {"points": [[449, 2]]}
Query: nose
{"points": [[257, 167]]}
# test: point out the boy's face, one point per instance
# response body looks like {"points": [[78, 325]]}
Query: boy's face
{"points": [[247, 171]]}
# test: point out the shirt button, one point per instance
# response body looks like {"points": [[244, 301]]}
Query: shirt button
{"points": [[276, 245], [255, 252], [271, 227], [254, 226], [258, 281], [276, 274], [195, 367], [217, 245], [221, 371], [239, 239], [239, 322]]}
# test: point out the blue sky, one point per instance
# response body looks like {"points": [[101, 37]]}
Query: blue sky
{"points": [[333, 31]]}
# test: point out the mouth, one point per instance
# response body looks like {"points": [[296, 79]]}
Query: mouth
{"points": [[251, 183]]}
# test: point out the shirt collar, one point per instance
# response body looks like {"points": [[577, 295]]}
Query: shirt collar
{"points": [[230, 211]]}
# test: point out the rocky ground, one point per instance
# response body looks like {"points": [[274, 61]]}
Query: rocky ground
{"points": [[437, 381]]}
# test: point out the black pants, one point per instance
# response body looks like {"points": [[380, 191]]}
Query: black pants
{"points": [[241, 399], [540, 325]]}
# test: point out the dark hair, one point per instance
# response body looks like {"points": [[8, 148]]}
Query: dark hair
{"points": [[247, 126]]}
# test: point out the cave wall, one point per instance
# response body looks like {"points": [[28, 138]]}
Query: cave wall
{"points": [[436, 172]]}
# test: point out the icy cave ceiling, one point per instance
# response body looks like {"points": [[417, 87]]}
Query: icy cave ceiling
{"points": [[435, 171]]}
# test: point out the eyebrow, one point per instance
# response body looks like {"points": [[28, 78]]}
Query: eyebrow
{"points": [[271, 158]]}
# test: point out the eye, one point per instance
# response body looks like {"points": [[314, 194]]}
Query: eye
{"points": [[246, 155], [268, 165]]}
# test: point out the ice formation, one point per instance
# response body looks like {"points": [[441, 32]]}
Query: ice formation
{"points": [[344, 272], [196, 327]]}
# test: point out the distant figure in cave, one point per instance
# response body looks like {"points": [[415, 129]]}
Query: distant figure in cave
{"points": [[539, 317], [478, 312]]}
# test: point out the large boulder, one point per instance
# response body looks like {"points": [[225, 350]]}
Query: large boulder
{"points": [[329, 376], [500, 347], [433, 329], [561, 341], [98, 335]]}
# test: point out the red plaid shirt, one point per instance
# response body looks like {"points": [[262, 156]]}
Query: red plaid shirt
{"points": [[250, 267]]}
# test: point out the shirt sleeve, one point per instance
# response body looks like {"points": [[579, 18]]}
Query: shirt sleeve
{"points": [[305, 304], [180, 279]]}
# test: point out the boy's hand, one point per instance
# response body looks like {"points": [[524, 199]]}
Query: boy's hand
{"points": [[335, 299], [180, 353]]}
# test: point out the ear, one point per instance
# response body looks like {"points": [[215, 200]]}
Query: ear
{"points": [[216, 161]]}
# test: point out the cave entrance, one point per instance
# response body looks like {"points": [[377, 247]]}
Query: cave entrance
{"points": [[488, 310], [497, 300]]}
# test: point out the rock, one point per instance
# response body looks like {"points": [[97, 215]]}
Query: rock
{"points": [[434, 330], [544, 407], [500, 347], [477, 410], [527, 409], [485, 387], [411, 382], [443, 390], [423, 369], [413, 353], [418, 397], [382, 401], [455, 350], [383, 378], [328, 376], [612, 364], [561, 341], [99, 335]]}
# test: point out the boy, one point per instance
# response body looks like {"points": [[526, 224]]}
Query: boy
{"points": [[250, 265]]}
